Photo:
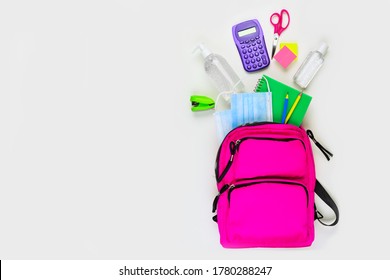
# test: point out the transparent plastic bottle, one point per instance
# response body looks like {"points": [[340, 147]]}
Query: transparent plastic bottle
{"points": [[222, 74], [310, 66]]}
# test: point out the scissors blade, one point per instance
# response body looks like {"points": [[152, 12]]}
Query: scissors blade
{"points": [[274, 44]]}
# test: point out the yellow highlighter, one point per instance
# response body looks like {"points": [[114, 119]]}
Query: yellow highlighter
{"points": [[293, 107]]}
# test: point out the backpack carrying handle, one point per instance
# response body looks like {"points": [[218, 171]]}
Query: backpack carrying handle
{"points": [[323, 194]]}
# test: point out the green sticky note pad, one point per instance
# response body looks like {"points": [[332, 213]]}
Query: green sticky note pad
{"points": [[279, 91]]}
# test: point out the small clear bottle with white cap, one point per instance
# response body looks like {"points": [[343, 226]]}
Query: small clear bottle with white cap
{"points": [[222, 74], [310, 66]]}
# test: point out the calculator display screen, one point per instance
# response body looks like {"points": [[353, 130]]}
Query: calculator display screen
{"points": [[247, 31]]}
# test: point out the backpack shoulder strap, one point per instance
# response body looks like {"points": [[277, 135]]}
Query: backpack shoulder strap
{"points": [[323, 194]]}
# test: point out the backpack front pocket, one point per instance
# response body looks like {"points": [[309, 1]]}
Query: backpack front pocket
{"points": [[269, 213], [265, 156], [252, 157]]}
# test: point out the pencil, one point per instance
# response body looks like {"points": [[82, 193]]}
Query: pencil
{"points": [[293, 107]]}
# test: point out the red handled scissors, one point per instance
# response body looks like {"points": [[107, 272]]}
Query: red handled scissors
{"points": [[277, 21]]}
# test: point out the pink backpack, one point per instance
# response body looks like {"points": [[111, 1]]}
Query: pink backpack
{"points": [[266, 182]]}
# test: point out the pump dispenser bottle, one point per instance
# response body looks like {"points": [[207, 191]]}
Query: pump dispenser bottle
{"points": [[220, 72], [310, 66]]}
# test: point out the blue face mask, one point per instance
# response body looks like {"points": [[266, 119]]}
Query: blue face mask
{"points": [[251, 107], [223, 121]]}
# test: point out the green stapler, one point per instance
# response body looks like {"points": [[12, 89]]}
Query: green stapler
{"points": [[201, 103]]}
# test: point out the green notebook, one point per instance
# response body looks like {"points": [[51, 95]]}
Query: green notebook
{"points": [[279, 91]]}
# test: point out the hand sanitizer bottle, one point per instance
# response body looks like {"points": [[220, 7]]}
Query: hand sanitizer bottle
{"points": [[310, 66], [220, 72]]}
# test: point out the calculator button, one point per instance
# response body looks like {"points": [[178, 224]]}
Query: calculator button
{"points": [[260, 46], [251, 55], [250, 50], [259, 64], [256, 54], [261, 51], [254, 66], [244, 51], [246, 56], [258, 41], [242, 42], [247, 41], [254, 44], [243, 47], [247, 61], [253, 61], [252, 39], [255, 48], [264, 59], [258, 59], [257, 37], [248, 67]]}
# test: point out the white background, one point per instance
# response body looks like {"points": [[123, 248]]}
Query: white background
{"points": [[102, 158]]}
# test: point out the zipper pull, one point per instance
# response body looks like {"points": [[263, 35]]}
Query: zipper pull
{"points": [[234, 147], [237, 144], [231, 187], [326, 153]]}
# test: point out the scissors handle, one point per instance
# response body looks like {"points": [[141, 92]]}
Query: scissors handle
{"points": [[278, 25]]}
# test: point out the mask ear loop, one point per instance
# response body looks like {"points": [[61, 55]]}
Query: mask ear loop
{"points": [[227, 92], [219, 95], [266, 80], [270, 113], [236, 84]]}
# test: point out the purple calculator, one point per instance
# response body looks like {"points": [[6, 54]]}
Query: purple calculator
{"points": [[249, 39]]}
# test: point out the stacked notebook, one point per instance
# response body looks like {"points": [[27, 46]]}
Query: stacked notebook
{"points": [[279, 91]]}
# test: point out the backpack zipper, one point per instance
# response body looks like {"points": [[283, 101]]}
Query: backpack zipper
{"points": [[216, 167], [239, 141], [233, 187], [234, 146]]}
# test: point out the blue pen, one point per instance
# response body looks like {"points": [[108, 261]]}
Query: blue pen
{"points": [[285, 109]]}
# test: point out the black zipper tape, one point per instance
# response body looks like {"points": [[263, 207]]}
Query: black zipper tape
{"points": [[234, 187], [234, 146], [220, 147]]}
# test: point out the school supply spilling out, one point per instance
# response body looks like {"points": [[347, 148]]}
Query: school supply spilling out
{"points": [[220, 72], [265, 168], [201, 103], [285, 107], [285, 56], [292, 47], [223, 123], [277, 21], [250, 108], [249, 39], [310, 66], [266, 188], [245, 108], [279, 91], [292, 109]]}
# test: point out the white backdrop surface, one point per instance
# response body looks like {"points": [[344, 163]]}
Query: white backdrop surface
{"points": [[102, 158]]}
